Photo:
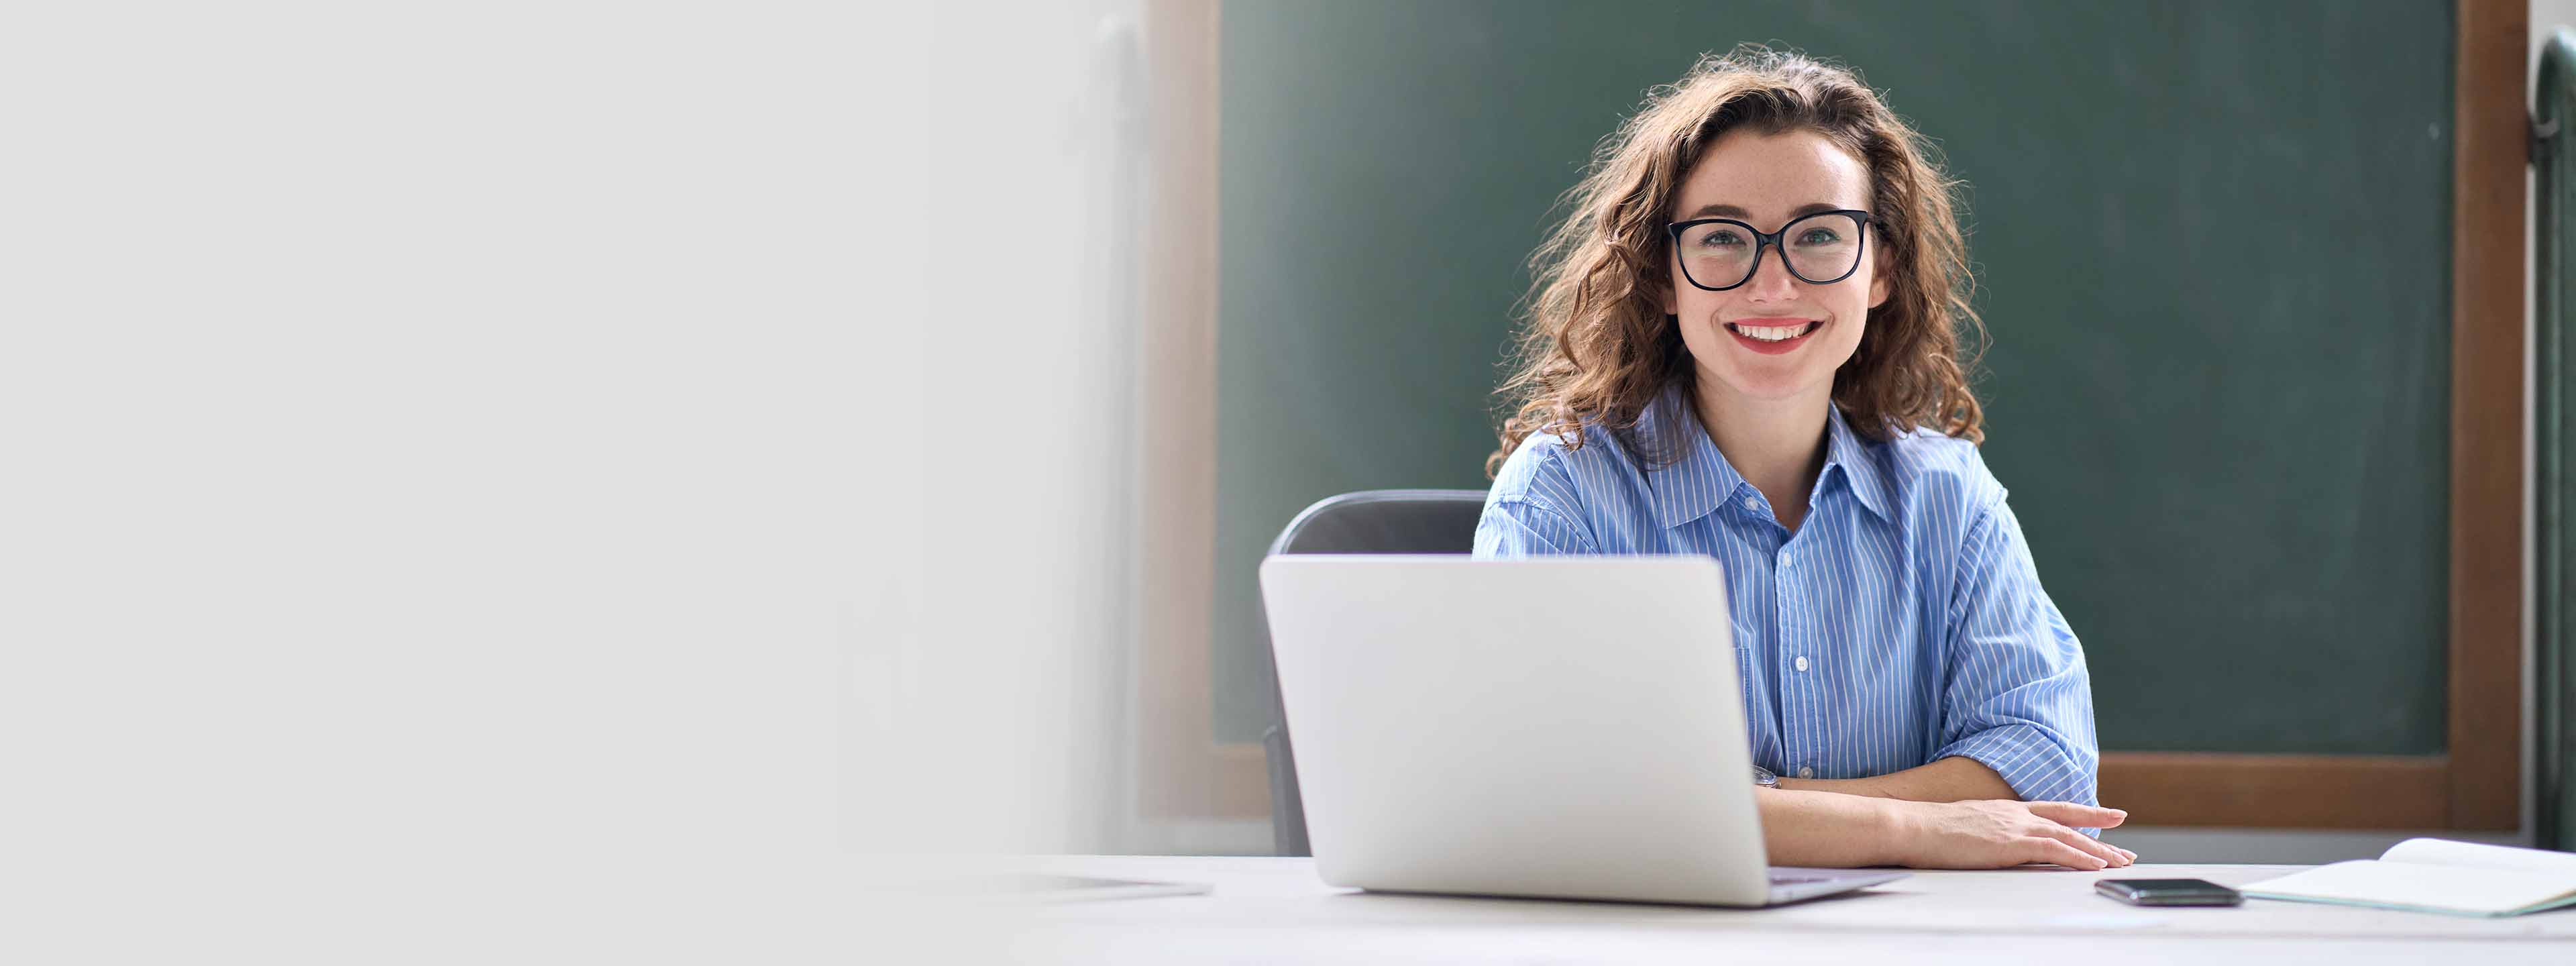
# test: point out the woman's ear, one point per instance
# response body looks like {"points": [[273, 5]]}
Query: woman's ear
{"points": [[1877, 287]]}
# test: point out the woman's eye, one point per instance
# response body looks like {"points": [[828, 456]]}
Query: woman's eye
{"points": [[1819, 236], [1720, 239]]}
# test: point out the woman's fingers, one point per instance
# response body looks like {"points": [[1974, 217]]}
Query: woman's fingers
{"points": [[2079, 815], [2045, 849], [2110, 855]]}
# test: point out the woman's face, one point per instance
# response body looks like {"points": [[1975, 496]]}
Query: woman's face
{"points": [[1735, 336]]}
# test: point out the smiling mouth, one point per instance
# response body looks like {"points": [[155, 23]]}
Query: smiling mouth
{"points": [[1765, 333]]}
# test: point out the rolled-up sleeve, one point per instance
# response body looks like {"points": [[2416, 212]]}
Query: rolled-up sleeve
{"points": [[1526, 511], [2016, 697], [1512, 528]]}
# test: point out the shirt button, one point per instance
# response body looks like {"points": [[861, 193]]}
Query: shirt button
{"points": [[1806, 772], [1802, 663], [1751, 503], [1786, 558]]}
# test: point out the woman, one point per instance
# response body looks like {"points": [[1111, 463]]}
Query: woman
{"points": [[1743, 342]]}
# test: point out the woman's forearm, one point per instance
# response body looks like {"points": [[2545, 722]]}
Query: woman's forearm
{"points": [[1827, 830], [1833, 830], [1946, 780]]}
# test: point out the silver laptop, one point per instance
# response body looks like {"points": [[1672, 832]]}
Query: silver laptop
{"points": [[1565, 727]]}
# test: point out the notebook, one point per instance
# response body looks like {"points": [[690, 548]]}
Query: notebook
{"points": [[2436, 875]]}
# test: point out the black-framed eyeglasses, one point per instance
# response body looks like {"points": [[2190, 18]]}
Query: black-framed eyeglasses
{"points": [[1721, 253]]}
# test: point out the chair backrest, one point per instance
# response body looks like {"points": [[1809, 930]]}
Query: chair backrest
{"points": [[1370, 521]]}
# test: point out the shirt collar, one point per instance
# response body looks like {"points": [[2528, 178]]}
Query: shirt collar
{"points": [[1701, 480], [1846, 451]]}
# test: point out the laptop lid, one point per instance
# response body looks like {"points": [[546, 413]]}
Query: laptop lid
{"points": [[1564, 727]]}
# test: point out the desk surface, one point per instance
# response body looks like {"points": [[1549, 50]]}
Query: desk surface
{"points": [[1275, 909]]}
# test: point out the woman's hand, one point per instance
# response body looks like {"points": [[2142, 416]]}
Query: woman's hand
{"points": [[1998, 834]]}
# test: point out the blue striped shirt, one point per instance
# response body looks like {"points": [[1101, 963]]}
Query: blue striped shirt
{"points": [[1901, 624]]}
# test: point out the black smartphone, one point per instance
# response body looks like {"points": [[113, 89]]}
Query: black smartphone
{"points": [[2169, 892]]}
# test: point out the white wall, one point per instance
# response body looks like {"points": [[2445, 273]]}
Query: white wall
{"points": [[437, 444], [990, 683]]}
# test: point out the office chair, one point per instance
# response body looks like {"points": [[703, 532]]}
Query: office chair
{"points": [[1370, 521]]}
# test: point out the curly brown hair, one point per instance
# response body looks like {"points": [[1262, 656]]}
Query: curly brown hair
{"points": [[1597, 348]]}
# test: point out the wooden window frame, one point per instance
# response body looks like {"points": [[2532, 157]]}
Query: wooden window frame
{"points": [[1184, 773]]}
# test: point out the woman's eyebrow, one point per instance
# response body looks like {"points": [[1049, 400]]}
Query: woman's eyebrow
{"points": [[1731, 211]]}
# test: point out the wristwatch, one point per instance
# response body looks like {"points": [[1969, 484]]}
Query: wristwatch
{"points": [[1763, 777]]}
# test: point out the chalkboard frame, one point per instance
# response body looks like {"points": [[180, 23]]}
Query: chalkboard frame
{"points": [[1183, 773], [2477, 783]]}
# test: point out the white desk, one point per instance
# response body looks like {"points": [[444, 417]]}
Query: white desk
{"points": [[1276, 910]]}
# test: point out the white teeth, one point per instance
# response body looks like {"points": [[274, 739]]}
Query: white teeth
{"points": [[1775, 335]]}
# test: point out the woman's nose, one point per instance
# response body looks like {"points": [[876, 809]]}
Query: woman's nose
{"points": [[1771, 278]]}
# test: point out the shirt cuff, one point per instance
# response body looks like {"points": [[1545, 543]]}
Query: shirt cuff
{"points": [[2037, 766]]}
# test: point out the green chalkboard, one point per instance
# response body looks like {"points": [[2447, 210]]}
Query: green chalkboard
{"points": [[2213, 250]]}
